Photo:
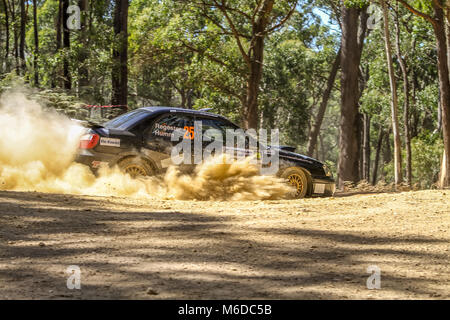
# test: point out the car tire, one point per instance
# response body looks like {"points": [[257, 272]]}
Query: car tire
{"points": [[297, 178], [136, 167]]}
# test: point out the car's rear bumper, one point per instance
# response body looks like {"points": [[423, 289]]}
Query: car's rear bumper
{"points": [[93, 160]]}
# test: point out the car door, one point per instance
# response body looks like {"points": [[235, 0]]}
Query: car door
{"points": [[158, 137]]}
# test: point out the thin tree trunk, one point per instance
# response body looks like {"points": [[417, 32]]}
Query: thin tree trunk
{"points": [[189, 98], [387, 150], [377, 156], [56, 80], [323, 154], [120, 54], [7, 33], [439, 113], [16, 38], [360, 135], [394, 101], [36, 45], [414, 131], [66, 43], [83, 72], [366, 148], [314, 132], [407, 133], [22, 37], [59, 26]]}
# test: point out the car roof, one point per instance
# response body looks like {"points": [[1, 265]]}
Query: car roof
{"points": [[161, 109]]}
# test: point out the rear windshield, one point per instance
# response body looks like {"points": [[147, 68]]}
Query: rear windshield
{"points": [[127, 120]]}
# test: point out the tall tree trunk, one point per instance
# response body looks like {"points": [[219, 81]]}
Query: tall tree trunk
{"points": [[404, 70], [394, 101], [16, 37], [438, 23], [66, 43], [350, 60], [377, 155], [83, 72], [5, 5], [56, 79], [120, 54], [314, 132], [36, 44], [59, 25], [366, 148], [447, 33], [444, 86], [415, 118], [254, 60], [439, 114], [22, 37], [387, 150], [189, 98], [323, 154], [252, 93], [360, 135], [255, 63]]}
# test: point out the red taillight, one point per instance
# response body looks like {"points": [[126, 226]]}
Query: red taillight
{"points": [[89, 141]]}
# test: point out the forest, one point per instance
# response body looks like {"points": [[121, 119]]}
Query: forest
{"points": [[361, 85]]}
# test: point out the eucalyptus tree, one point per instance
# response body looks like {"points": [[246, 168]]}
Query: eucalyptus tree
{"points": [[353, 21], [435, 13], [394, 98]]}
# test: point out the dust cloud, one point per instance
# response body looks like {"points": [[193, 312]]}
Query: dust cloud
{"points": [[37, 149]]}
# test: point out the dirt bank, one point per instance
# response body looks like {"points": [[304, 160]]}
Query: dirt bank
{"points": [[303, 249]]}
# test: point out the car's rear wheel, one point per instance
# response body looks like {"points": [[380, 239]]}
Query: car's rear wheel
{"points": [[298, 179], [136, 167]]}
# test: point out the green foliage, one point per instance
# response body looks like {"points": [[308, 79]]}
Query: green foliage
{"points": [[56, 99], [183, 53], [356, 3], [426, 152]]}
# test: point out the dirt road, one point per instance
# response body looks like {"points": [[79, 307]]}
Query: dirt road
{"points": [[305, 249]]}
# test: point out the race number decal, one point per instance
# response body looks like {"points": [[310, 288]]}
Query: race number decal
{"points": [[189, 132]]}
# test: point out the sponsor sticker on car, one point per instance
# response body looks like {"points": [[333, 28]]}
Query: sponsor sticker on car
{"points": [[110, 142]]}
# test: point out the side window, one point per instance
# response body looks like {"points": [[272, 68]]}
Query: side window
{"points": [[211, 130], [224, 126], [163, 127], [243, 136]]}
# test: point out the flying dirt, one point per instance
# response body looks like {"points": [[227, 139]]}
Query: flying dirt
{"points": [[37, 148]]}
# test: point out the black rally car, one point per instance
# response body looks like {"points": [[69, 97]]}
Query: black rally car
{"points": [[139, 142]]}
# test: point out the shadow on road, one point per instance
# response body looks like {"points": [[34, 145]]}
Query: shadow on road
{"points": [[123, 251]]}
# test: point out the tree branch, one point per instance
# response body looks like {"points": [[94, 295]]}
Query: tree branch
{"points": [[417, 12], [212, 58], [283, 21], [235, 32], [255, 12]]}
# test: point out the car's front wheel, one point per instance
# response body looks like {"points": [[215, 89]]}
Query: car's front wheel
{"points": [[136, 167], [298, 179]]}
